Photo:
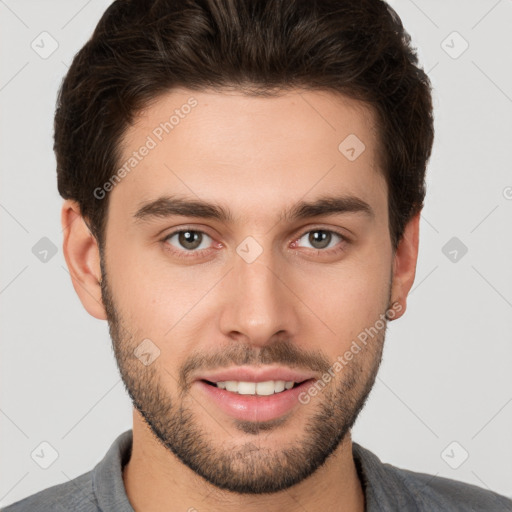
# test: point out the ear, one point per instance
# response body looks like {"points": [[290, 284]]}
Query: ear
{"points": [[82, 256], [404, 265]]}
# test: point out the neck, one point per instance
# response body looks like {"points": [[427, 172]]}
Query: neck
{"points": [[156, 480]]}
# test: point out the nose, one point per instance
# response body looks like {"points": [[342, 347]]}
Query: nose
{"points": [[258, 300]]}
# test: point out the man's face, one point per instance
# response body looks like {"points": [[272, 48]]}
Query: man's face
{"points": [[259, 291]]}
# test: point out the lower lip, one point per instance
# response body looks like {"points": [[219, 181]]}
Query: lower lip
{"points": [[255, 407]]}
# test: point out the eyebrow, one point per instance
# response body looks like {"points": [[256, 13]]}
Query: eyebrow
{"points": [[175, 205]]}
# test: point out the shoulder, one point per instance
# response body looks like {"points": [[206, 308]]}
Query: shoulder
{"points": [[102, 488], [448, 494], [76, 495], [389, 488]]}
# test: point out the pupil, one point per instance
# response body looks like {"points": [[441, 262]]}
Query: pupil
{"points": [[189, 239], [324, 238]]}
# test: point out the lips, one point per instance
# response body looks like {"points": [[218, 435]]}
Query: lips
{"points": [[253, 408], [244, 401], [257, 374]]}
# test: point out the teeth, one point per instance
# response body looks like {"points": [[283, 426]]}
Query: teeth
{"points": [[264, 388], [246, 388], [232, 385], [268, 387], [280, 385]]}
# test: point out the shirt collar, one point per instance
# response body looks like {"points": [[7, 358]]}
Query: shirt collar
{"points": [[107, 478]]}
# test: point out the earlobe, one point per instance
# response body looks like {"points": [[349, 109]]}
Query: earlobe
{"points": [[404, 264], [82, 256]]}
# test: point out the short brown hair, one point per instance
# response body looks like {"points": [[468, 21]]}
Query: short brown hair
{"points": [[141, 49]]}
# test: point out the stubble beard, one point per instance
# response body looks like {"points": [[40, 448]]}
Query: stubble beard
{"points": [[250, 467]]}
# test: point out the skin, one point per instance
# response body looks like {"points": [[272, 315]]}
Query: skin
{"points": [[296, 305]]}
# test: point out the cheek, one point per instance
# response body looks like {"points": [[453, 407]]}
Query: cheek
{"points": [[352, 298], [153, 295]]}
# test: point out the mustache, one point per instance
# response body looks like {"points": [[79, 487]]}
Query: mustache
{"points": [[282, 352]]}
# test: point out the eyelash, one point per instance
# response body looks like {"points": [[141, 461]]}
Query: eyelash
{"points": [[193, 254]]}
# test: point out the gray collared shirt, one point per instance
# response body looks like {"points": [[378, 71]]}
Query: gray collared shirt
{"points": [[386, 487]]}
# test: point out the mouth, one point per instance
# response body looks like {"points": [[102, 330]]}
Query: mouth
{"points": [[253, 401], [264, 388]]}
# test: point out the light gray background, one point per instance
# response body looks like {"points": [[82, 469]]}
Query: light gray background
{"points": [[446, 374]]}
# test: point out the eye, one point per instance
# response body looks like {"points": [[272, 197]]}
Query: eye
{"points": [[322, 239], [188, 240]]}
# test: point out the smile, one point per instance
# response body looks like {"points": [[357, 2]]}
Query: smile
{"points": [[266, 388], [254, 401]]}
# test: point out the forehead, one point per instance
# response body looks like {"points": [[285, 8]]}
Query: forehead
{"points": [[253, 152]]}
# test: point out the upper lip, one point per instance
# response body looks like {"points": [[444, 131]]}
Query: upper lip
{"points": [[257, 374]]}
